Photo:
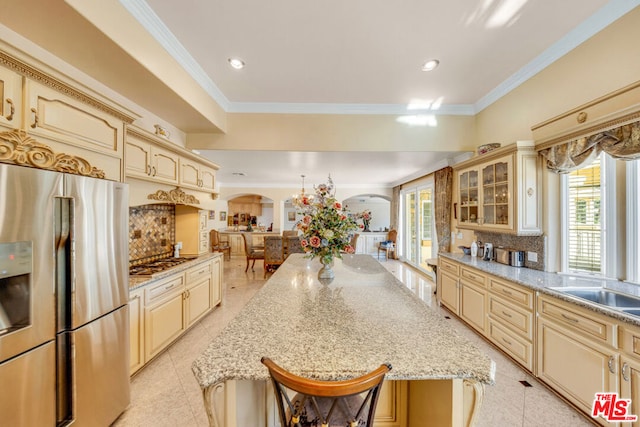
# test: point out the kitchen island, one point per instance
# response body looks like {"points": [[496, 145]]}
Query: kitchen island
{"points": [[339, 330]]}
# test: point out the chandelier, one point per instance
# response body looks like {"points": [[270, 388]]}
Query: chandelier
{"points": [[301, 199]]}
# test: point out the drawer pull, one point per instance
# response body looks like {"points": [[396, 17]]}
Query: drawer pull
{"points": [[471, 276], [506, 314], [625, 374], [610, 363], [168, 287], [509, 343], [12, 109], [506, 291], [570, 319]]}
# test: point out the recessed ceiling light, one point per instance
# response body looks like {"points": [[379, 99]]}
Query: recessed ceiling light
{"points": [[430, 65], [195, 151], [236, 63], [238, 174]]}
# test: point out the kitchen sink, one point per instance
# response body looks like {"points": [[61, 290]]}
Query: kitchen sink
{"points": [[627, 303]]}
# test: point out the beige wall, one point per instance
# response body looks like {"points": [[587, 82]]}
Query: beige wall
{"points": [[331, 132]]}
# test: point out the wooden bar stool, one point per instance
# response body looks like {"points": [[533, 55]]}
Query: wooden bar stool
{"points": [[304, 402]]}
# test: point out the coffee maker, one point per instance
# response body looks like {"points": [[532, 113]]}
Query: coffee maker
{"points": [[488, 252]]}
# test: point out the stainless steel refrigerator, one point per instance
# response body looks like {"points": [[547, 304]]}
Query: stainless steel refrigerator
{"points": [[64, 335]]}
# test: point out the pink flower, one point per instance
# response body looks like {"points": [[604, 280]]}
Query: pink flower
{"points": [[337, 205], [306, 219], [349, 249], [360, 226], [315, 241], [304, 243], [343, 217]]}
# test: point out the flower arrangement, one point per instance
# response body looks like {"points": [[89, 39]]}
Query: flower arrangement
{"points": [[326, 227], [365, 216]]}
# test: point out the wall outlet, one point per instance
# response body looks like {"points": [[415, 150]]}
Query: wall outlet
{"points": [[532, 256]]}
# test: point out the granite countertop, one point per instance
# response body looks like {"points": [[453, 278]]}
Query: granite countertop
{"points": [[136, 282], [546, 282], [363, 318]]}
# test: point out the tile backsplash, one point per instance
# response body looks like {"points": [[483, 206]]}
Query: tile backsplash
{"points": [[535, 244], [151, 232]]}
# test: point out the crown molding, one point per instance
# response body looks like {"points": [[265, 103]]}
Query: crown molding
{"points": [[141, 11], [318, 108]]}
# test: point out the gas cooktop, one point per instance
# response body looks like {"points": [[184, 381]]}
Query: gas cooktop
{"points": [[158, 266]]}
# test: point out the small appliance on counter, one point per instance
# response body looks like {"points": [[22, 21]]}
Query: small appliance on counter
{"points": [[488, 252], [510, 257]]}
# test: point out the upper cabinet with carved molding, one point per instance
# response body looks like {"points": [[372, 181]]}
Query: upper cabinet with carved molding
{"points": [[11, 93], [195, 175], [500, 191], [146, 160], [152, 158]]}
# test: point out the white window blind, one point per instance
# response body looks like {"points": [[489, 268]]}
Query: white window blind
{"points": [[584, 219]]}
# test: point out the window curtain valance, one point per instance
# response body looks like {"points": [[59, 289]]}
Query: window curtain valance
{"points": [[622, 143]]}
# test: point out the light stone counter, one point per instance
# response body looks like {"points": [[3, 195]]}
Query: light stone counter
{"points": [[546, 283], [340, 330]]}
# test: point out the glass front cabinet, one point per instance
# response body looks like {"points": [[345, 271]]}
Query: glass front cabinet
{"points": [[499, 191]]}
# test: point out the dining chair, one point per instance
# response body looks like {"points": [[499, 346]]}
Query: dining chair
{"points": [[293, 246], [388, 246], [218, 245], [252, 251], [273, 253], [305, 402]]}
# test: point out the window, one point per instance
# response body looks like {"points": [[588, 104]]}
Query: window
{"points": [[584, 232]]}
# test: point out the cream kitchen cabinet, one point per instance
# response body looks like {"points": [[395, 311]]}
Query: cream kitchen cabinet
{"points": [[191, 230], [448, 283], [237, 243], [197, 176], [170, 306], [511, 313], [473, 298], [462, 290], [576, 352], [71, 126], [136, 330], [11, 102], [163, 318], [148, 161], [630, 368], [500, 191]]}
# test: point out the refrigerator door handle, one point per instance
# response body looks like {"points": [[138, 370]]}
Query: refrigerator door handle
{"points": [[63, 254]]}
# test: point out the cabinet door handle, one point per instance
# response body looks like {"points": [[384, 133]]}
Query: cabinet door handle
{"points": [[35, 118], [610, 364], [570, 319], [12, 109], [153, 168], [149, 170], [625, 375]]}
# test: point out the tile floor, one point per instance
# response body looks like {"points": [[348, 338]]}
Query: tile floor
{"points": [[165, 393]]}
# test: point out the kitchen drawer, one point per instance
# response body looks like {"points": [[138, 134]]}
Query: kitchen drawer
{"points": [[577, 319], [448, 266], [514, 317], [197, 273], [518, 348], [164, 289], [512, 293], [474, 276]]}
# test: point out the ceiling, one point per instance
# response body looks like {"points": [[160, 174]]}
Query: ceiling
{"points": [[330, 56]]}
